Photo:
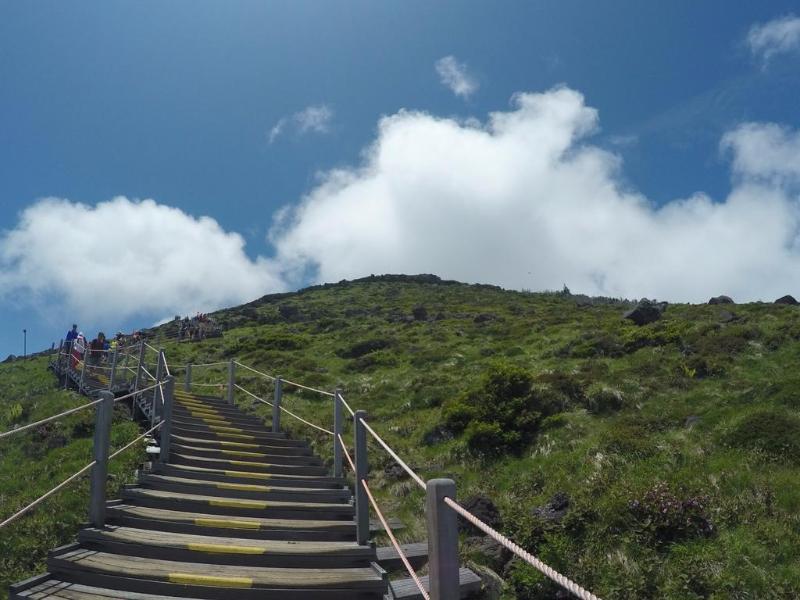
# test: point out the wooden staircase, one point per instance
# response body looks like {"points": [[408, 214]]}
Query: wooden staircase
{"points": [[236, 512]]}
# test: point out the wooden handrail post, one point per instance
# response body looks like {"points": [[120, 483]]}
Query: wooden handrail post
{"points": [[337, 431], [99, 475], [276, 405], [231, 380], [156, 404], [113, 379], [442, 524], [138, 382], [187, 385], [362, 468], [166, 428]]}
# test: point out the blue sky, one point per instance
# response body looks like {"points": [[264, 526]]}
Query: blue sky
{"points": [[175, 102]]}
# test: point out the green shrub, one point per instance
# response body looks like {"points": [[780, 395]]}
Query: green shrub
{"points": [[627, 440], [662, 517], [774, 432], [601, 400]]}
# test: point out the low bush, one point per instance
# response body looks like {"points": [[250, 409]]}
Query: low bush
{"points": [[601, 400], [774, 432], [662, 517]]}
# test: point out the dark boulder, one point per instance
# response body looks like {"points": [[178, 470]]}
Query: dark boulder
{"points": [[483, 508], [492, 552], [646, 312], [420, 313], [726, 316], [485, 318], [554, 510], [721, 300], [437, 435], [394, 472], [289, 312], [787, 299]]}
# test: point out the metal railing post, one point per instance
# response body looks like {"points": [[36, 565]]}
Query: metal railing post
{"points": [[84, 368], [166, 428], [99, 474], [155, 406], [138, 382], [442, 523], [231, 380], [113, 379], [362, 502], [125, 355], [187, 385], [276, 405], [337, 431]]}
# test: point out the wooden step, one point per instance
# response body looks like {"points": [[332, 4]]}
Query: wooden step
{"points": [[244, 465], [190, 413], [179, 521], [178, 578], [251, 490], [406, 589], [239, 454], [184, 547], [191, 472], [252, 430], [237, 506], [46, 587], [416, 553], [299, 450], [216, 434]]}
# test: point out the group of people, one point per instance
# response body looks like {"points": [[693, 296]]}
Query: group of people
{"points": [[93, 353], [198, 327]]}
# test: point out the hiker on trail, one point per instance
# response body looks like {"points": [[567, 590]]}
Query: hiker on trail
{"points": [[97, 349], [78, 347], [72, 333]]}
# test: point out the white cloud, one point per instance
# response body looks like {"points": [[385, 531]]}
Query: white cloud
{"points": [[456, 76], [778, 36], [312, 119], [124, 258], [526, 201]]}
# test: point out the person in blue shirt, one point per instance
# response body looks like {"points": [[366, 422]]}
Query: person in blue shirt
{"points": [[72, 333]]}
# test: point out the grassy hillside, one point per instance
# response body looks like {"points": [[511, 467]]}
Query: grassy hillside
{"points": [[32, 462], [654, 461]]}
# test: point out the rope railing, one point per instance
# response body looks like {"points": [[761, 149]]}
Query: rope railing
{"points": [[305, 387], [347, 406], [385, 524], [45, 496], [529, 558], [394, 455], [48, 419], [208, 384], [286, 410], [270, 377], [132, 442]]}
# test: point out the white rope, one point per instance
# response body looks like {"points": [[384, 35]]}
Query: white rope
{"points": [[549, 572], [214, 364], [48, 419], [151, 348], [346, 453], [286, 410], [39, 500], [146, 372], [305, 387], [126, 446], [393, 454], [347, 406], [270, 377], [208, 384], [136, 392]]}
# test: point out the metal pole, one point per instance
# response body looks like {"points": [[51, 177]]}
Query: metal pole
{"points": [[187, 385], [276, 406], [157, 390], [68, 359], [337, 431], [166, 428], [102, 437], [85, 364], [442, 524], [362, 502], [138, 382], [231, 380], [113, 378]]}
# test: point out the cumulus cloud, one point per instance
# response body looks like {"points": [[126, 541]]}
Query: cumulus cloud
{"points": [[124, 258], [312, 119], [456, 76], [778, 36], [525, 200]]}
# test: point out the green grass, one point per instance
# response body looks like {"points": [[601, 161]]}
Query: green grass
{"points": [[619, 444], [33, 462]]}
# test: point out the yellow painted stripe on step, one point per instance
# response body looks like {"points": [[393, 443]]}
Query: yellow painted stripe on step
{"points": [[242, 486], [214, 420], [248, 475], [194, 579], [223, 549], [240, 436], [220, 428], [227, 523], [238, 444], [238, 503], [240, 453], [242, 462]]}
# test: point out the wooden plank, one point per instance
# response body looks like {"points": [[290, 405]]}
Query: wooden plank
{"points": [[406, 589], [56, 589], [179, 458], [254, 447], [416, 553], [203, 574], [242, 454], [208, 474]]}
